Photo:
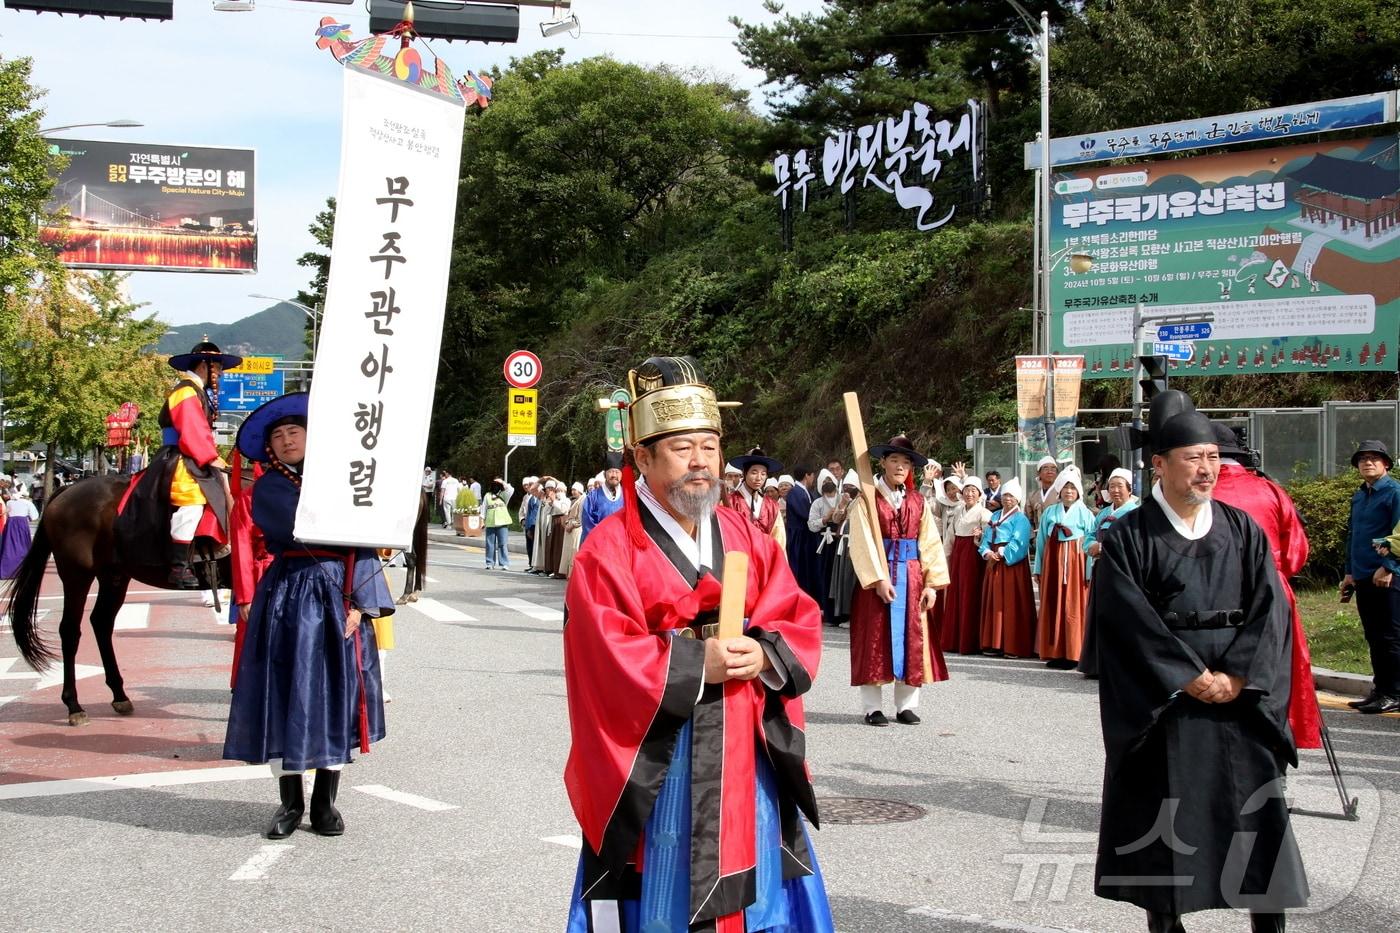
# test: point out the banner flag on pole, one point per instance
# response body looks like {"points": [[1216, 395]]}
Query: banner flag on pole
{"points": [[372, 393]]}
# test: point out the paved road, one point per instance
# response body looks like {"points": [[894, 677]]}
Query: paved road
{"points": [[459, 820]]}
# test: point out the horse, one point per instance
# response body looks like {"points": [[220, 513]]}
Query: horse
{"points": [[76, 528], [415, 559]]}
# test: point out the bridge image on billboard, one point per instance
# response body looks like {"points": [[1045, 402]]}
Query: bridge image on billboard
{"points": [[1292, 253]]}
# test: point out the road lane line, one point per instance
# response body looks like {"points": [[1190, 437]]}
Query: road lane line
{"points": [[986, 923], [568, 842], [132, 616], [525, 607], [440, 612], [132, 781], [398, 796], [428, 579], [257, 867]]}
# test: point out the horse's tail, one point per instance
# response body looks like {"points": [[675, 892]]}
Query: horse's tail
{"points": [[23, 599], [420, 540]]}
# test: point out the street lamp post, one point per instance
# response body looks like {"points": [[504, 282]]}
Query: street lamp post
{"points": [[313, 313], [116, 124]]}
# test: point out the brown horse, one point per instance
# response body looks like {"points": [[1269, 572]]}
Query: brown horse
{"points": [[415, 559], [77, 530]]}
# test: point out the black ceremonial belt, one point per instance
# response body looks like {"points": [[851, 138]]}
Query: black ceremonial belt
{"points": [[1205, 619]]}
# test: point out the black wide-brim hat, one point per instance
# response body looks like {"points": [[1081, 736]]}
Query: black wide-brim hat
{"points": [[1373, 447], [1227, 440], [756, 457], [253, 434], [204, 352], [1173, 422], [899, 444]]}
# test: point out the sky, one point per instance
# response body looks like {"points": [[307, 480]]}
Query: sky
{"points": [[256, 79]]}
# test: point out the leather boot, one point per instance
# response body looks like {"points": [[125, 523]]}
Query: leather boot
{"points": [[288, 816], [1159, 922], [325, 818], [1266, 923], [181, 576]]}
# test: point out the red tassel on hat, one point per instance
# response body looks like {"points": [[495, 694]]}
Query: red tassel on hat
{"points": [[631, 508]]}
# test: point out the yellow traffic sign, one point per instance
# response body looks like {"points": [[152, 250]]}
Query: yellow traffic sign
{"points": [[255, 365], [522, 417]]}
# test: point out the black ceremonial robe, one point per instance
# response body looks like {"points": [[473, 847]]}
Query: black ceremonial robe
{"points": [[1193, 810]]}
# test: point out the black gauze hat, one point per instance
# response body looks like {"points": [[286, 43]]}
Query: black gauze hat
{"points": [[1173, 422]]}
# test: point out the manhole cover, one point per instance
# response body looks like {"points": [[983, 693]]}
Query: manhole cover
{"points": [[866, 810]]}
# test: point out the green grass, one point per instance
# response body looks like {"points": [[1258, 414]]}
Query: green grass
{"points": [[1334, 632]]}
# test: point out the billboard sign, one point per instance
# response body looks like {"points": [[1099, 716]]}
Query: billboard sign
{"points": [[1292, 252], [1273, 123], [148, 207], [522, 417]]}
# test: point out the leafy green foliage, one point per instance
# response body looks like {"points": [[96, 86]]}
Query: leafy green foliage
{"points": [[1324, 504], [27, 171]]}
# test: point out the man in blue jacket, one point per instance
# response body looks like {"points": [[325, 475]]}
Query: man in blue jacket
{"points": [[1375, 578], [529, 516]]}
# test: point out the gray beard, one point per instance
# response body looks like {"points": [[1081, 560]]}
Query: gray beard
{"points": [[1197, 498], [696, 506]]}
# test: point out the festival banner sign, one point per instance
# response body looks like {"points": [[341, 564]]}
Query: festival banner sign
{"points": [[376, 366], [1293, 254], [1032, 373], [155, 208]]}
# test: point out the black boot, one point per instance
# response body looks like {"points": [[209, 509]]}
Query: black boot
{"points": [[1266, 923], [181, 576], [288, 815], [1159, 922], [325, 818]]}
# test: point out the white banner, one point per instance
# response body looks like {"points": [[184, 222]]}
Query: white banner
{"points": [[376, 366]]}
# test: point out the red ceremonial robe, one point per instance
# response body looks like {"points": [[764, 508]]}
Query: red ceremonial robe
{"points": [[872, 649], [632, 684], [249, 559], [1273, 510], [767, 513]]}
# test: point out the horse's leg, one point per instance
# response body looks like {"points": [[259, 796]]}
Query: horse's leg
{"points": [[70, 632], [409, 564], [111, 593]]}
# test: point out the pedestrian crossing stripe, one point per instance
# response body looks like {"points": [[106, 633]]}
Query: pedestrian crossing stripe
{"points": [[525, 607], [440, 612]]}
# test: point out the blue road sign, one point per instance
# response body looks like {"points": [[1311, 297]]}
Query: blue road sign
{"points": [[246, 391], [1196, 330], [1181, 352]]}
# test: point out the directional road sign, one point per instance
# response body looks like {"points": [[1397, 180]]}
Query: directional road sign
{"points": [[1195, 330], [246, 391], [1181, 352]]}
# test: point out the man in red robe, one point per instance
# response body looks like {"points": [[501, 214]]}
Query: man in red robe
{"points": [[900, 574], [688, 770], [1271, 508]]}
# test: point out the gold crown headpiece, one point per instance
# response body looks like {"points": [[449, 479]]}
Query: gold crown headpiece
{"points": [[668, 397]]}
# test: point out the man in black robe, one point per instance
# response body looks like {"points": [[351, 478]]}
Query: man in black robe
{"points": [[1194, 641]]}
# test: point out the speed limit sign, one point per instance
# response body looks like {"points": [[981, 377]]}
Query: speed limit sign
{"points": [[523, 369]]}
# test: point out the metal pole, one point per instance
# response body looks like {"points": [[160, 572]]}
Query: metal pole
{"points": [[505, 468], [1139, 468], [1047, 176], [1035, 273], [1050, 407]]}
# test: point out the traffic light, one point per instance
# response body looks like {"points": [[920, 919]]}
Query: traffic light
{"points": [[432, 19], [1154, 376]]}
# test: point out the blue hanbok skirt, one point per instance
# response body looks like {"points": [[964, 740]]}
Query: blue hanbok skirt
{"points": [[14, 546], [297, 695], [797, 905]]}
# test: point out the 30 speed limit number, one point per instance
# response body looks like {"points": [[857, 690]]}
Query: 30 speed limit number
{"points": [[522, 369]]}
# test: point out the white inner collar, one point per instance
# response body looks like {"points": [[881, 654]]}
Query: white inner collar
{"points": [[895, 496], [1204, 518], [699, 550]]}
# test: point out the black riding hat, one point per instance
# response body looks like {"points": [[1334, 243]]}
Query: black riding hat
{"points": [[204, 352], [899, 444]]}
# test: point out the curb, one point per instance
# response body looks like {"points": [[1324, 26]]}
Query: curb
{"points": [[1341, 682]]}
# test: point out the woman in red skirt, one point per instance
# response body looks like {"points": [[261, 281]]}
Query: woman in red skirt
{"points": [[1059, 562], [1008, 605], [962, 602]]}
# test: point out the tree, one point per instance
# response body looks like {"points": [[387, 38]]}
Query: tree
{"points": [[27, 173], [78, 352], [323, 230]]}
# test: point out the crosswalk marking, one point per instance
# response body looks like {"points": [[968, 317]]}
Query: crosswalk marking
{"points": [[130, 781], [525, 607], [257, 867], [398, 796], [440, 612], [132, 616], [568, 842]]}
